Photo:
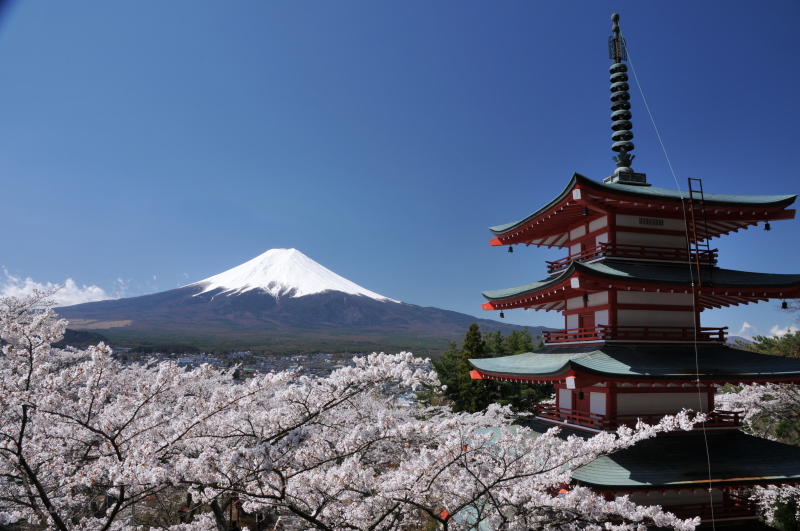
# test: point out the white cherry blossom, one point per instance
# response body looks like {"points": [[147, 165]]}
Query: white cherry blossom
{"points": [[83, 439]]}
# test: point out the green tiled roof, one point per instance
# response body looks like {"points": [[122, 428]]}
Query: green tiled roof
{"points": [[679, 460], [675, 275], [500, 294], [645, 192], [716, 363]]}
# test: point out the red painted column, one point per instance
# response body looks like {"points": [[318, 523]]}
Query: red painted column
{"points": [[612, 307]]}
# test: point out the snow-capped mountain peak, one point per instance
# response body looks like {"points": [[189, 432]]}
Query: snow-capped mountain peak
{"points": [[282, 272]]}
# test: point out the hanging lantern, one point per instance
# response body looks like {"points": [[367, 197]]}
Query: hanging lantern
{"points": [[581, 396], [502, 316], [586, 211], [510, 249], [784, 305], [585, 297], [766, 226]]}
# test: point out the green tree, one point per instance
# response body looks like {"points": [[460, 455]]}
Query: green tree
{"points": [[454, 372], [786, 516], [475, 395], [495, 343], [787, 345], [519, 341], [474, 346], [472, 396]]}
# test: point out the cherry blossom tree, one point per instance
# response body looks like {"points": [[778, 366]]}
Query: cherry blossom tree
{"points": [[771, 411], [84, 438]]}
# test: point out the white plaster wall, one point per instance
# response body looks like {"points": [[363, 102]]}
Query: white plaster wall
{"points": [[601, 318], [659, 403], [565, 398], [601, 238], [577, 232], [597, 403], [575, 302], [654, 318], [598, 224], [649, 297], [651, 240], [597, 299], [625, 220], [574, 249], [572, 321]]}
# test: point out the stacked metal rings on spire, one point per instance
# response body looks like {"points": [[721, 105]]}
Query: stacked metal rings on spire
{"points": [[620, 105]]}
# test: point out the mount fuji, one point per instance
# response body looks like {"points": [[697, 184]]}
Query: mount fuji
{"points": [[281, 302], [283, 272]]}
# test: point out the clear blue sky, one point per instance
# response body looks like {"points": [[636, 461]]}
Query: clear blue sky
{"points": [[163, 142]]}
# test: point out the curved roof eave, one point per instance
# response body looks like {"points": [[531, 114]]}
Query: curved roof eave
{"points": [[501, 294], [562, 364], [661, 194], [673, 363], [649, 274], [501, 229]]}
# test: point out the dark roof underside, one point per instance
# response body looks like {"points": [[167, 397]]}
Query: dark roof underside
{"points": [[652, 193], [716, 363], [679, 461], [653, 274]]}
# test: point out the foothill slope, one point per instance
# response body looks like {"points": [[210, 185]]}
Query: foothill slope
{"points": [[281, 301]]}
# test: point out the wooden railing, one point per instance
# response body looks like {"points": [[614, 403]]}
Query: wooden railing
{"points": [[583, 256], [636, 252], [636, 334], [552, 413]]}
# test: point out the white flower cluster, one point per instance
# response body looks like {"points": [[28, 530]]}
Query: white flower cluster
{"points": [[764, 405], [764, 408], [78, 427]]}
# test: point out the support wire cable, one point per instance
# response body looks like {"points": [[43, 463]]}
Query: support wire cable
{"points": [[691, 275]]}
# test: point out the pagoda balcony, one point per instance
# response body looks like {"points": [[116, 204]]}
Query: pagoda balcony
{"points": [[635, 334], [555, 415], [636, 253]]}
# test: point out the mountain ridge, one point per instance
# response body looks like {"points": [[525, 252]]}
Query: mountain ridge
{"points": [[278, 302]]}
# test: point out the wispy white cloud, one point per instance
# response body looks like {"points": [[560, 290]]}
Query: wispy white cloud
{"points": [[747, 331], [121, 288], [778, 331], [70, 294]]}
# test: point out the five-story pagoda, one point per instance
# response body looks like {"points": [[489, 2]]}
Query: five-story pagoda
{"points": [[638, 274]]}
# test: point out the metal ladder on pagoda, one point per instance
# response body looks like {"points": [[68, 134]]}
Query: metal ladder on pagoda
{"points": [[697, 207]]}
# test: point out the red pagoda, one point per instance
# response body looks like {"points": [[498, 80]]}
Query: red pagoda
{"points": [[638, 273]]}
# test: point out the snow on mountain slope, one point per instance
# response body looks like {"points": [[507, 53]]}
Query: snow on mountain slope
{"points": [[283, 271]]}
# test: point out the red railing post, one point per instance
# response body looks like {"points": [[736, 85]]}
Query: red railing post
{"points": [[639, 252]]}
